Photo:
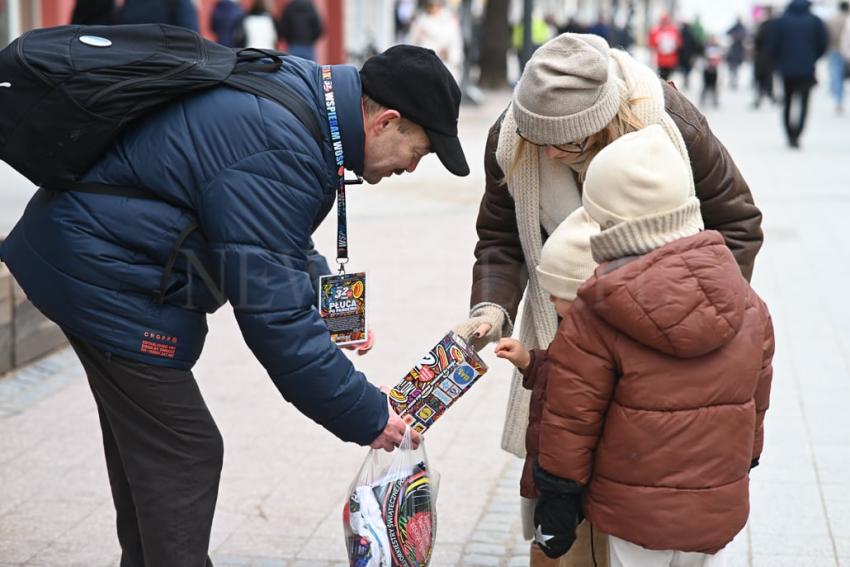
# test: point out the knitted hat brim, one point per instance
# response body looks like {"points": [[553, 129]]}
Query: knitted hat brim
{"points": [[556, 130], [561, 287], [642, 235]]}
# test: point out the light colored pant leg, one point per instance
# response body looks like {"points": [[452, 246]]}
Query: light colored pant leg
{"points": [[526, 511], [690, 559], [626, 554]]}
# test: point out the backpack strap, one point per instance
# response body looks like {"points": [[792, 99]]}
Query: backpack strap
{"points": [[281, 94]]}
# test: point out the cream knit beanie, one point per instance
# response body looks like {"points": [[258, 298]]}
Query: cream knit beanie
{"points": [[638, 189], [566, 261], [566, 91]]}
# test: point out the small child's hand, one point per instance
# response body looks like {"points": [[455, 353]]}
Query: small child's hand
{"points": [[512, 350]]}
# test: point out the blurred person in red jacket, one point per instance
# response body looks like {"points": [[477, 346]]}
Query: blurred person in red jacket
{"points": [[665, 39]]}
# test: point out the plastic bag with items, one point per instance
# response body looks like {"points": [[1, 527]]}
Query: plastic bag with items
{"points": [[390, 518]]}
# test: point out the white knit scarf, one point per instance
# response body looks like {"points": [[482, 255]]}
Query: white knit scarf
{"points": [[535, 179]]}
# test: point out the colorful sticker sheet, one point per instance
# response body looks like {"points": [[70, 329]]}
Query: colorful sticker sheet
{"points": [[342, 305], [433, 385]]}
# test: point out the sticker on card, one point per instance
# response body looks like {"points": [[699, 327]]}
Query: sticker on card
{"points": [[342, 305]]}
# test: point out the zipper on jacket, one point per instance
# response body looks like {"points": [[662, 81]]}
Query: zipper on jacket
{"points": [[130, 82]]}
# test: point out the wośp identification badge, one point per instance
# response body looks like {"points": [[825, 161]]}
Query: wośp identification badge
{"points": [[342, 304]]}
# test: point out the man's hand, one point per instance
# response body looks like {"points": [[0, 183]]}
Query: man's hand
{"points": [[393, 431], [512, 350], [363, 348]]}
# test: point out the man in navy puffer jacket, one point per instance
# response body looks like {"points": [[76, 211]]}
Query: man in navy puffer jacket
{"points": [[798, 39], [258, 184]]}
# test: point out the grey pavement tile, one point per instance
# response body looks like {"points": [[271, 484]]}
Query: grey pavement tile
{"points": [[792, 561], [737, 560], [224, 524], [790, 543], [837, 499], [488, 536], [85, 553], [246, 543], [477, 560], [323, 549], [498, 549], [448, 555], [833, 462], [778, 507], [519, 561], [17, 549]]}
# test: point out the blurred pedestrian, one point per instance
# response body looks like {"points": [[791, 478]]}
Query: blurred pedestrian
{"points": [[255, 180], [602, 29], [800, 40], [574, 98], [258, 27], [226, 17], [689, 50], [540, 34], [300, 26], [698, 30], [737, 51], [404, 12], [763, 66], [437, 27], [175, 12], [712, 59], [838, 63], [665, 40], [572, 26], [94, 13]]}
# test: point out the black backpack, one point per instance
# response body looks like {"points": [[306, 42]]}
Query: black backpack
{"points": [[67, 92]]}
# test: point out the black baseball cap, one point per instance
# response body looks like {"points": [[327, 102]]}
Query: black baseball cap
{"points": [[413, 81]]}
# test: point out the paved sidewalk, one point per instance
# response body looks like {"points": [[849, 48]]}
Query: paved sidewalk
{"points": [[284, 477]]}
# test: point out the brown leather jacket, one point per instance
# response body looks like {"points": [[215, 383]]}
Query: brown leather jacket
{"points": [[658, 381], [500, 275]]}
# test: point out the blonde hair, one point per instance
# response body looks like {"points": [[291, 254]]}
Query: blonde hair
{"points": [[625, 121]]}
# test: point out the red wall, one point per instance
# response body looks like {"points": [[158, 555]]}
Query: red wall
{"points": [[329, 49]]}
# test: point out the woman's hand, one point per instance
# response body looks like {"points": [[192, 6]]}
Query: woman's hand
{"points": [[483, 327], [512, 350]]}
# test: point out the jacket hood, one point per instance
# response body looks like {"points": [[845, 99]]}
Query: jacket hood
{"points": [[685, 299], [799, 6]]}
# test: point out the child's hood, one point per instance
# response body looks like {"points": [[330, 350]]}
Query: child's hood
{"points": [[685, 299]]}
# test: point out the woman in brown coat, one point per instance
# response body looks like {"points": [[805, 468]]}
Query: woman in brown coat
{"points": [[574, 98], [659, 376]]}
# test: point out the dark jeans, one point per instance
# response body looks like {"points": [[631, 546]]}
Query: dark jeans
{"points": [[764, 87], [163, 455], [796, 87], [709, 87]]}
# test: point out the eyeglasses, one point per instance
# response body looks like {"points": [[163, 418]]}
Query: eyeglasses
{"points": [[570, 148]]}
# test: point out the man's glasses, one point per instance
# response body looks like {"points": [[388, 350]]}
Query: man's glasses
{"points": [[570, 148]]}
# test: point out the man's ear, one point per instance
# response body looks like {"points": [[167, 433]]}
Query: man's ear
{"points": [[383, 120]]}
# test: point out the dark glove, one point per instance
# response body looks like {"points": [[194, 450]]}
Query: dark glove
{"points": [[557, 513]]}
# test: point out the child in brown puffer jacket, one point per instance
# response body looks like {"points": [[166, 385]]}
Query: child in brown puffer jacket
{"points": [[659, 376], [565, 264]]}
